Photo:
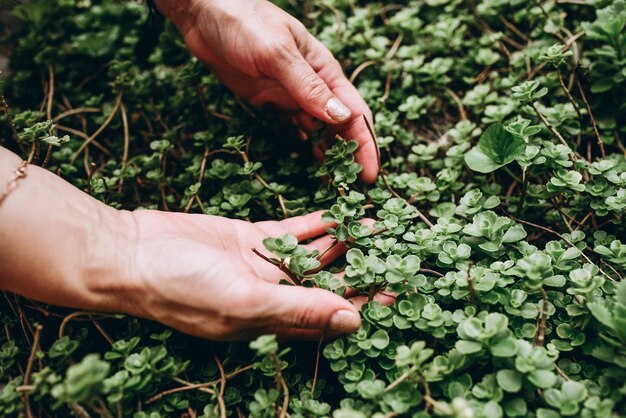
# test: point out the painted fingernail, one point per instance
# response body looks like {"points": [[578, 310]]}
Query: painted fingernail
{"points": [[344, 321], [337, 110]]}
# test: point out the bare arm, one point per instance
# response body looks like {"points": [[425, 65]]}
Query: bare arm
{"points": [[58, 244], [196, 273]]}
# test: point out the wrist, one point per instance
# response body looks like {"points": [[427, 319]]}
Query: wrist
{"points": [[108, 271]]}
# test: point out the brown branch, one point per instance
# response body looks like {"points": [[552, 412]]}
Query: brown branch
{"points": [[102, 127], [459, 103], [436, 273], [330, 247], [257, 176], [220, 395], [470, 285], [548, 125], [200, 177], [104, 334], [371, 294], [285, 388], [29, 368], [591, 117], [569, 95], [360, 69], [50, 93], [514, 29], [7, 111], [540, 336], [568, 242], [196, 386], [75, 315], [50, 98], [84, 136], [317, 365], [281, 267], [403, 377], [383, 176], [126, 143], [619, 276], [76, 111]]}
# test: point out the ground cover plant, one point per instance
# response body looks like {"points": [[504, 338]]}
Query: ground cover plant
{"points": [[500, 211]]}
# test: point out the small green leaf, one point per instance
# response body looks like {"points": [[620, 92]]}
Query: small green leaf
{"points": [[478, 161], [509, 380], [543, 379], [468, 347]]}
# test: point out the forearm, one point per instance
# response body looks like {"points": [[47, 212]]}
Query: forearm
{"points": [[59, 245]]}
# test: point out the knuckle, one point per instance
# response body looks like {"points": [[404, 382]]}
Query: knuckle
{"points": [[315, 87], [304, 317], [274, 54]]}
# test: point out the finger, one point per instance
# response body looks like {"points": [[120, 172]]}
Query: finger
{"points": [[329, 69], [367, 154], [318, 153], [306, 87], [307, 308], [302, 227], [382, 298], [308, 123], [329, 249]]}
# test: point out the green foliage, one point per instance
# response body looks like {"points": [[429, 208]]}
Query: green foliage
{"points": [[498, 226], [496, 148]]}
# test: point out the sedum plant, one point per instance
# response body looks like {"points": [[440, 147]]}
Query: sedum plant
{"points": [[496, 224]]}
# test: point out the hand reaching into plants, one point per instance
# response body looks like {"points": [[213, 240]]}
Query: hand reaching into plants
{"points": [[200, 276], [266, 56], [195, 273]]}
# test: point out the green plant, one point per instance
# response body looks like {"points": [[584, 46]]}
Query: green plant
{"points": [[497, 220]]}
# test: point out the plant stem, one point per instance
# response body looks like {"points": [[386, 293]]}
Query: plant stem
{"points": [[283, 385], [29, 368], [220, 394], [540, 336], [102, 127], [281, 267], [193, 386], [548, 125], [591, 117], [384, 177], [404, 376], [470, 285], [317, 364]]}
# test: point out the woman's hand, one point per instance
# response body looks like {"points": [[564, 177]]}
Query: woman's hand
{"points": [[198, 274], [266, 56], [195, 273]]}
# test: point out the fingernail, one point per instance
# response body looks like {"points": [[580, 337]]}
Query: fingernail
{"points": [[337, 110], [344, 321], [303, 135]]}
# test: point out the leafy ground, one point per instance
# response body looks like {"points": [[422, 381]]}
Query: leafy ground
{"points": [[500, 210]]}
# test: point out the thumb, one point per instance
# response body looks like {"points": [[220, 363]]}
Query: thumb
{"points": [[307, 308], [311, 92]]}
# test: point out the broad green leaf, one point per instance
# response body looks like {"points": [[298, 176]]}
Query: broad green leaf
{"points": [[500, 145], [478, 161], [497, 147]]}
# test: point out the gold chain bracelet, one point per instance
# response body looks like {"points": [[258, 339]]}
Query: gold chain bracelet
{"points": [[20, 173]]}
